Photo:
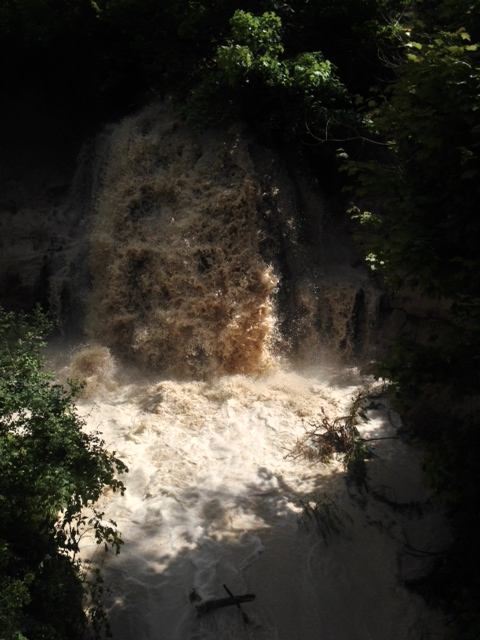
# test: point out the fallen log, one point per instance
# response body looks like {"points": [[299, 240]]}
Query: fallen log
{"points": [[218, 603], [245, 618]]}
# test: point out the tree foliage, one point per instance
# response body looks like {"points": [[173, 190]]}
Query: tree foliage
{"points": [[427, 231], [51, 475], [416, 205], [290, 93]]}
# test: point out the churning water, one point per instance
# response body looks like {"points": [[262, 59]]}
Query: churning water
{"points": [[213, 497], [214, 494]]}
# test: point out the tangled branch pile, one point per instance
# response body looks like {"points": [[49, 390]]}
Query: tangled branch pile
{"points": [[327, 437]]}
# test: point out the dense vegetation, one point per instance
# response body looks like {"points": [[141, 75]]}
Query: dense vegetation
{"points": [[51, 475], [386, 90]]}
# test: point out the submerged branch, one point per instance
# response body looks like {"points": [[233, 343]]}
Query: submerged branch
{"points": [[327, 437]]}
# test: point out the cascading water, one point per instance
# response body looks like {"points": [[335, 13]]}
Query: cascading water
{"points": [[214, 494], [179, 281]]}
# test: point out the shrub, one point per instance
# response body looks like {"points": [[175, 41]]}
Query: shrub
{"points": [[51, 475]]}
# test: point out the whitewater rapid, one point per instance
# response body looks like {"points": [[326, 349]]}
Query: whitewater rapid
{"points": [[213, 497]]}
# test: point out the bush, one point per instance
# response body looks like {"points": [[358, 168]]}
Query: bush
{"points": [[51, 475]]}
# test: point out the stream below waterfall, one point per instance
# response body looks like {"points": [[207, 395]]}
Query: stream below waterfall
{"points": [[213, 497]]}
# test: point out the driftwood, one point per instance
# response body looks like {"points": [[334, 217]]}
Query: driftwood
{"points": [[232, 600]]}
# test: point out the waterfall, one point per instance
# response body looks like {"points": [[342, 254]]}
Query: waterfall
{"points": [[203, 295], [179, 283]]}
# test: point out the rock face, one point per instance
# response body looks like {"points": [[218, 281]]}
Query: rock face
{"points": [[328, 302], [168, 239], [45, 183]]}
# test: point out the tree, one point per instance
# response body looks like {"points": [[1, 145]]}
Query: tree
{"points": [[51, 475], [421, 232]]}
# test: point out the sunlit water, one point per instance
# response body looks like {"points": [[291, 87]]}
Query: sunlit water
{"points": [[214, 497]]}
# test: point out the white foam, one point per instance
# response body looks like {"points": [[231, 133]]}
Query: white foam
{"points": [[213, 498]]}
